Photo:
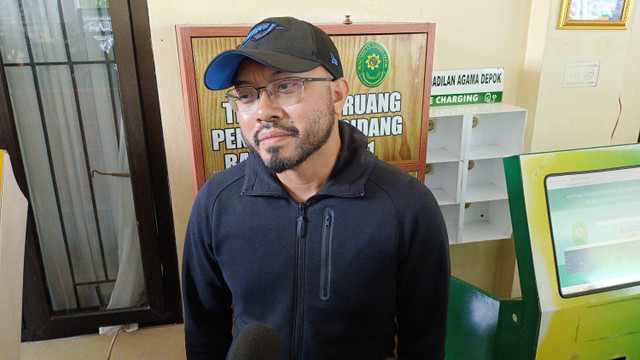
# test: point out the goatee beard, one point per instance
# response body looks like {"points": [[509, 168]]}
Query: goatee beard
{"points": [[307, 143]]}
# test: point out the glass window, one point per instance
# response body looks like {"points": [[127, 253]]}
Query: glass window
{"points": [[61, 77]]}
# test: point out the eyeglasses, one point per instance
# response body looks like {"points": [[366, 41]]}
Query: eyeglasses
{"points": [[283, 92]]}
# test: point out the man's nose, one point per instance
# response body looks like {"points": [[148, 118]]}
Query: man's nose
{"points": [[266, 108]]}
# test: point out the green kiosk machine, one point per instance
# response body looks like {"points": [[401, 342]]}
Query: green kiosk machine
{"points": [[576, 227]]}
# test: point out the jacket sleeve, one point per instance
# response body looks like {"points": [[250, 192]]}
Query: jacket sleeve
{"points": [[423, 279], [206, 296]]}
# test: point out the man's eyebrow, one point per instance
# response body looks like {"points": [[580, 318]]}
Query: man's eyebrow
{"points": [[240, 82], [275, 73]]}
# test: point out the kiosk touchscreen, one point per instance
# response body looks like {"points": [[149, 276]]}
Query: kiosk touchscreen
{"points": [[595, 227]]}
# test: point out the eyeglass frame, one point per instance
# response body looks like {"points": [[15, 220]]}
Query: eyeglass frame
{"points": [[233, 100]]}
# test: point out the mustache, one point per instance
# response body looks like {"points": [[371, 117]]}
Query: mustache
{"points": [[291, 130]]}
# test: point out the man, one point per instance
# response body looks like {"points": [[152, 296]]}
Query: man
{"points": [[312, 235]]}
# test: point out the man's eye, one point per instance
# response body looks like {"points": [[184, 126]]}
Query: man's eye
{"points": [[287, 86], [245, 97]]}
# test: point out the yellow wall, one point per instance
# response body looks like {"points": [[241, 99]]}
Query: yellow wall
{"points": [[486, 33], [583, 117]]}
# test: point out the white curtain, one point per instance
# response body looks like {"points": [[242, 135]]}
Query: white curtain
{"points": [[129, 287]]}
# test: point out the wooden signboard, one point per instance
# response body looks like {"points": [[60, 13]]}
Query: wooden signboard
{"points": [[388, 68]]}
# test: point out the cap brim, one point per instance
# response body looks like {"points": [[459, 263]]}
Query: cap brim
{"points": [[220, 72]]}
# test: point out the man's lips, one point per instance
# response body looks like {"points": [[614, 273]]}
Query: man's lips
{"points": [[268, 137], [272, 134], [272, 139]]}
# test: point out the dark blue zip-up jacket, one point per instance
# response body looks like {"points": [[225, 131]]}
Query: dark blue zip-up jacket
{"points": [[338, 276]]}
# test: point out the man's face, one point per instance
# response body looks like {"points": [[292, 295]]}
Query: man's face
{"points": [[285, 136]]}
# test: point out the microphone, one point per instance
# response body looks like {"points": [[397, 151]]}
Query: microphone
{"points": [[256, 342]]}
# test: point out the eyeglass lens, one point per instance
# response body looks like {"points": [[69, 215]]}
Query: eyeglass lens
{"points": [[283, 92]]}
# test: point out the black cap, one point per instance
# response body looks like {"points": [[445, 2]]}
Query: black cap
{"points": [[283, 43]]}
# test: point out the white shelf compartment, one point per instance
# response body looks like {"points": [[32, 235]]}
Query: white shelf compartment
{"points": [[445, 139], [444, 181], [451, 214], [485, 181], [486, 220], [497, 135]]}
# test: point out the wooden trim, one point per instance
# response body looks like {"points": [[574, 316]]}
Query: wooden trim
{"points": [[505, 268], [196, 31], [408, 167], [426, 98], [190, 101]]}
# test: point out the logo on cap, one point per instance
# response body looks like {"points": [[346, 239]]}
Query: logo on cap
{"points": [[260, 31], [372, 64], [333, 60]]}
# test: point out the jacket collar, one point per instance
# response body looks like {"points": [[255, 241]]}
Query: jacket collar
{"points": [[347, 179]]}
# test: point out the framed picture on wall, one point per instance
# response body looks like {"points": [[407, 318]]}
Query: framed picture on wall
{"points": [[595, 14]]}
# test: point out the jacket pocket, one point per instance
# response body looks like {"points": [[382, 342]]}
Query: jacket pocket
{"points": [[325, 255]]}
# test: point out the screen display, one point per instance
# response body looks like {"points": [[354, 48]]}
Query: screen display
{"points": [[595, 227]]}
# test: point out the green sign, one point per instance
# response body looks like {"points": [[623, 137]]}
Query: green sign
{"points": [[372, 64], [461, 99], [461, 87]]}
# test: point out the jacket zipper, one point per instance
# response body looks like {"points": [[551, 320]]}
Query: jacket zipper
{"points": [[325, 256], [299, 293]]}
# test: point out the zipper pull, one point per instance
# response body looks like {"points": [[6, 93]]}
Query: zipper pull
{"points": [[327, 220], [301, 229]]}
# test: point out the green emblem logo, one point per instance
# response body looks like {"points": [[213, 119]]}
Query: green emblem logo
{"points": [[579, 233], [372, 65]]}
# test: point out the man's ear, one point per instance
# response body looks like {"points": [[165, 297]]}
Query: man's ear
{"points": [[339, 92]]}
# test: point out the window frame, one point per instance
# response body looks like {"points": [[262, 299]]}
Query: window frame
{"points": [[149, 179]]}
